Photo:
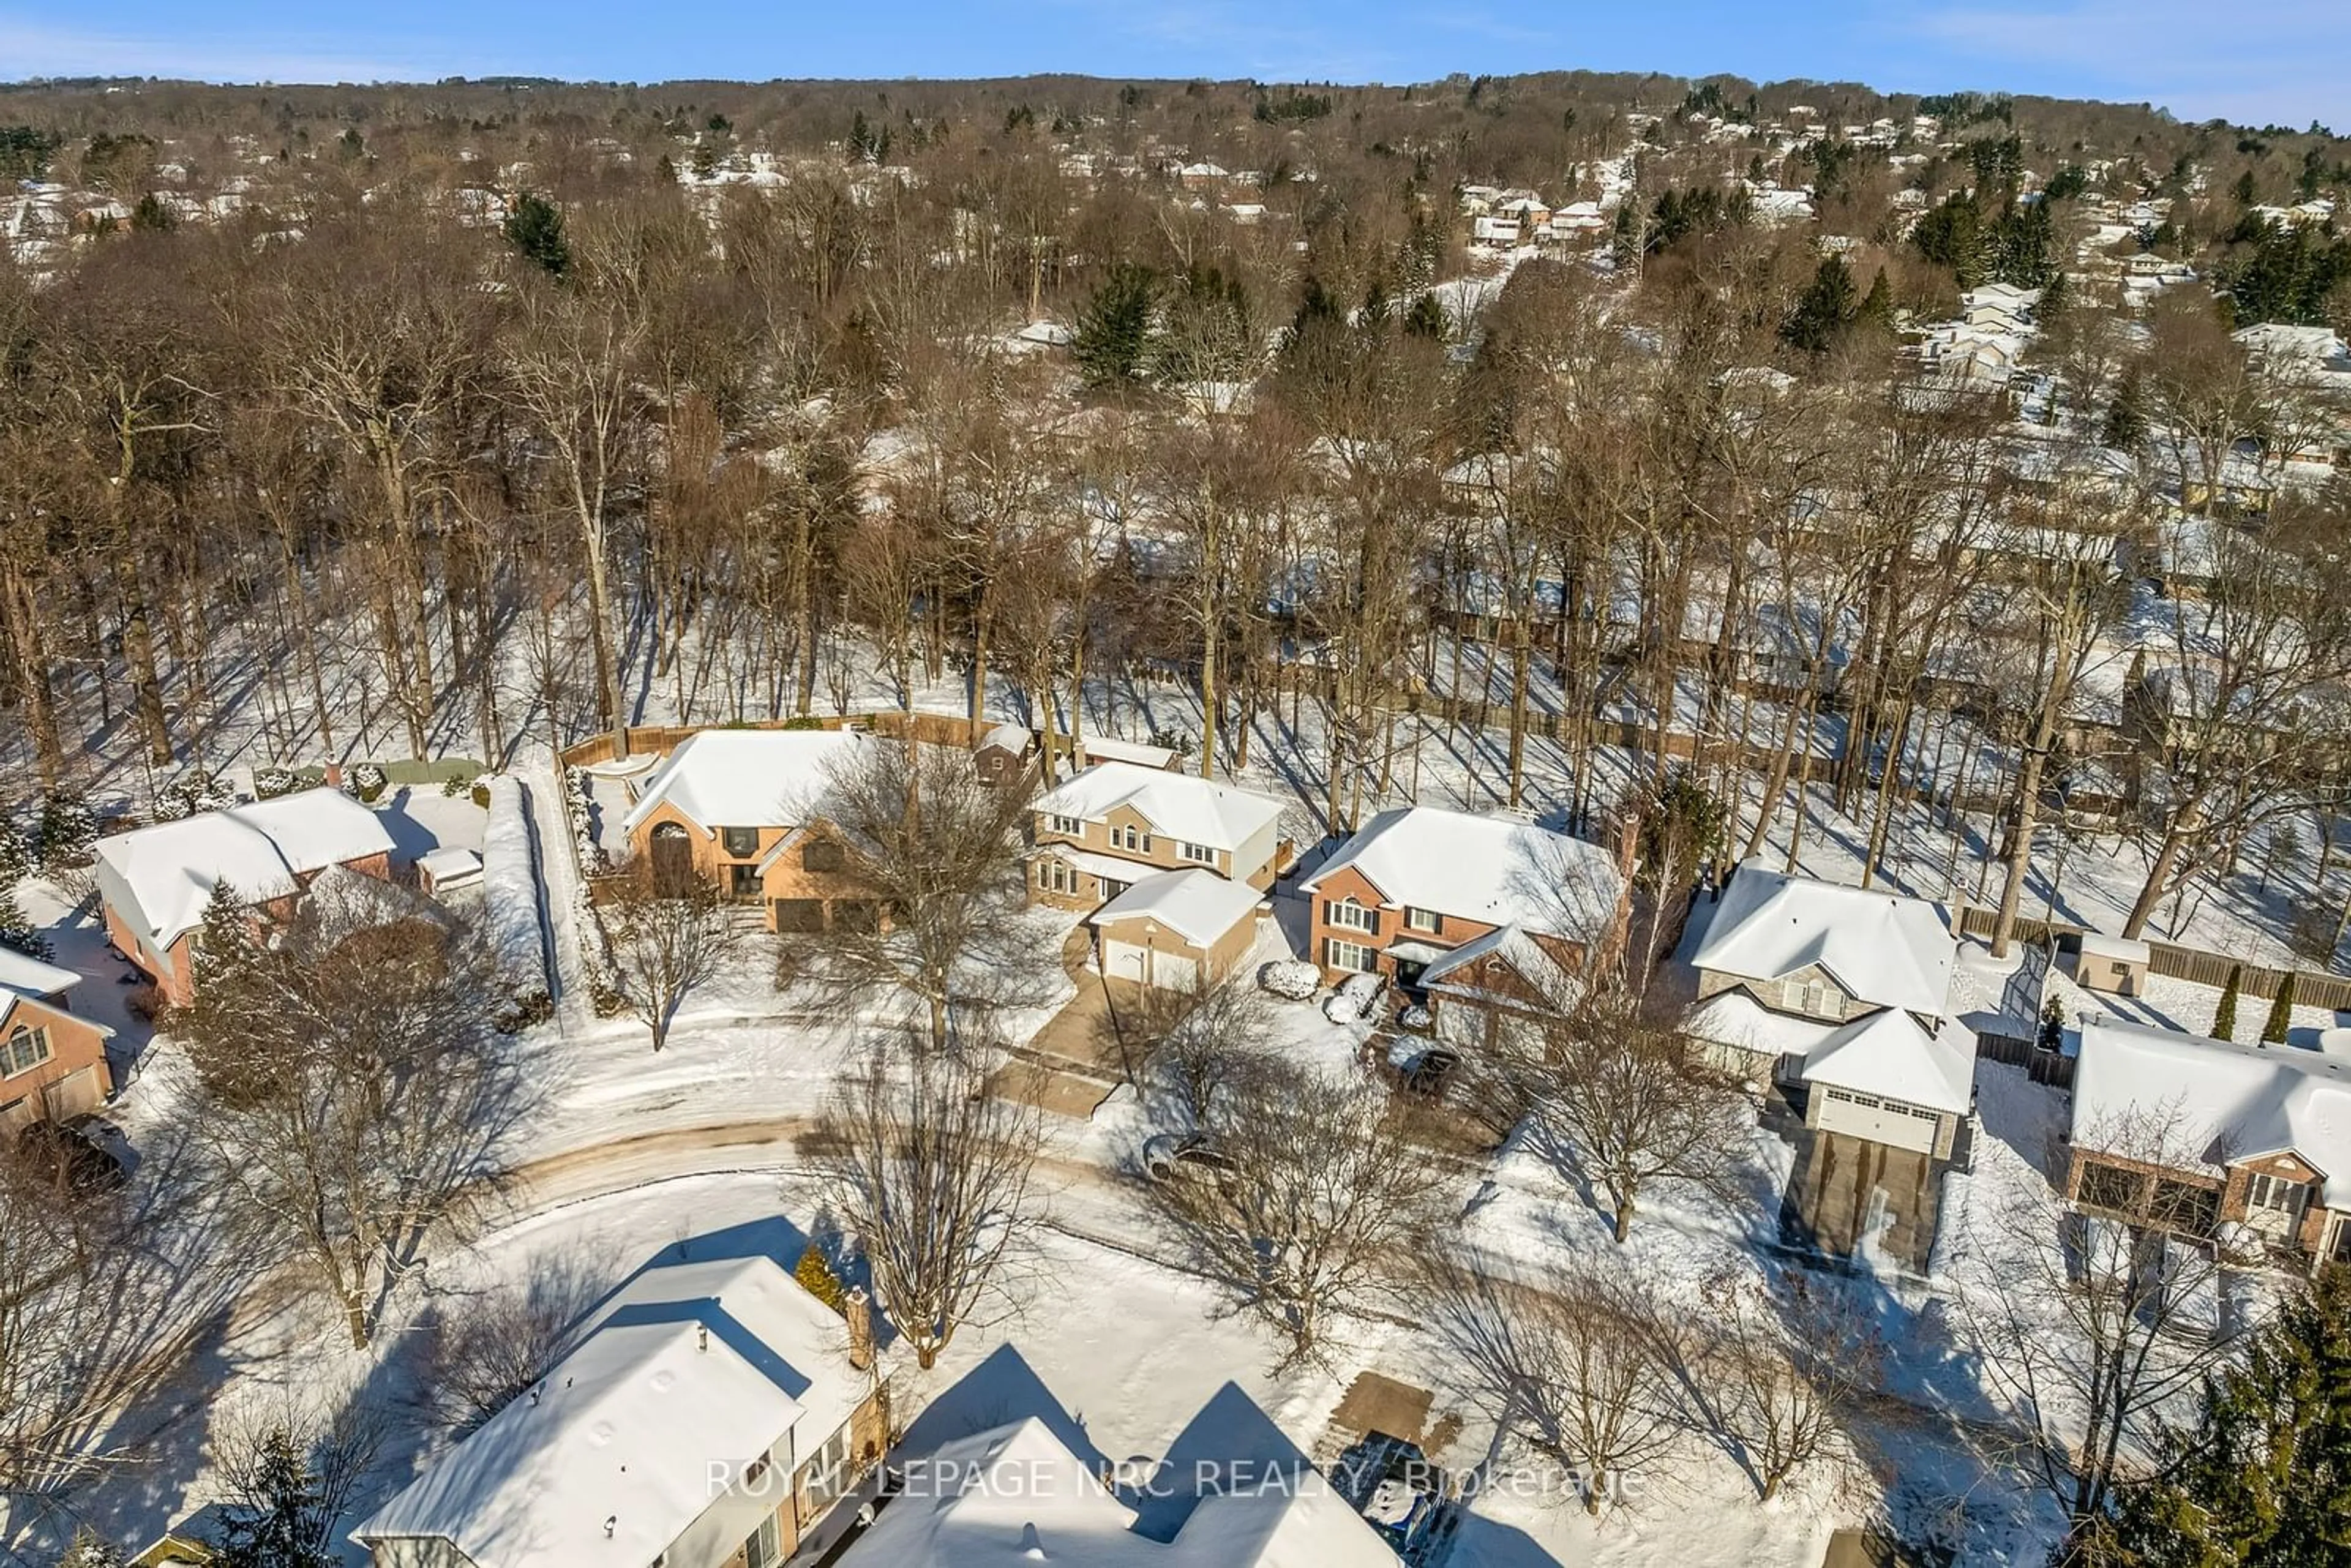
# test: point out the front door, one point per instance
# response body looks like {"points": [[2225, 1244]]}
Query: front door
{"points": [[672, 859]]}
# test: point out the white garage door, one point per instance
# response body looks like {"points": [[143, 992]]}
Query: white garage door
{"points": [[1131, 961], [1888, 1122]]}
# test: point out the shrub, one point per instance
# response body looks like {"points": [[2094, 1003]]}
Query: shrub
{"points": [[268, 783], [1291, 979], [803, 721], [17, 930], [481, 796], [143, 1002], [453, 786], [368, 782], [15, 855], [816, 1277]]}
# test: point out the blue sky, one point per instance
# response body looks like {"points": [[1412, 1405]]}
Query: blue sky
{"points": [[2283, 60]]}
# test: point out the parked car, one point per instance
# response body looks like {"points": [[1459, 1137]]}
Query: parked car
{"points": [[1357, 999], [1170, 1152], [77, 1155]]}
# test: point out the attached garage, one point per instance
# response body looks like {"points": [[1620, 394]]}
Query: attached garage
{"points": [[1177, 929], [1878, 1118]]}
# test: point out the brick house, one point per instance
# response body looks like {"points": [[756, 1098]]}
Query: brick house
{"points": [[2246, 1146], [714, 1416], [155, 882], [1477, 911], [1105, 830], [52, 1064], [743, 810]]}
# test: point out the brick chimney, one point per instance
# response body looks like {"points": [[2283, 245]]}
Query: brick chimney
{"points": [[858, 1308]]}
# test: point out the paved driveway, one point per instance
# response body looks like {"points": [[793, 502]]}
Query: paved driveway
{"points": [[1843, 1188]]}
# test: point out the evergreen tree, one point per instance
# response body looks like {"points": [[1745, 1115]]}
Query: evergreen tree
{"points": [[2264, 1479], [2125, 424], [1113, 339], [90, 1550], [535, 227], [66, 834], [815, 1275], [15, 855], [281, 1522], [2224, 1016], [1824, 311], [1877, 306], [151, 216], [1426, 319], [17, 930], [2280, 1019]]}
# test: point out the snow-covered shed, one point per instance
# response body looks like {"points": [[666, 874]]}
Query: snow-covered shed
{"points": [[711, 1409]]}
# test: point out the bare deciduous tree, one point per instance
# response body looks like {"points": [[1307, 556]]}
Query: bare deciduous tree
{"points": [[1315, 1201], [935, 1177], [480, 1352], [2093, 1327], [665, 940], [1565, 1361], [347, 1081]]}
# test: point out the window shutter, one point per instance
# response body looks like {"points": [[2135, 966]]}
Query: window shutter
{"points": [[1371, 922]]}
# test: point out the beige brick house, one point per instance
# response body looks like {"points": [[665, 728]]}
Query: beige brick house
{"points": [[1108, 827]]}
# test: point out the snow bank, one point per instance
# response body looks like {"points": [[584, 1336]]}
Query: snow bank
{"points": [[510, 907]]}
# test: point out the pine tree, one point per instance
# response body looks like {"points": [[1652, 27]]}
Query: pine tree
{"points": [[2224, 1016], [1877, 307], [90, 1550], [1114, 334], [1826, 310], [281, 1522], [17, 930], [2280, 1019], [2264, 1479], [15, 855], [66, 834], [1426, 319], [535, 227], [815, 1275]]}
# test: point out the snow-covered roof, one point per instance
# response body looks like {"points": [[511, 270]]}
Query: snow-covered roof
{"points": [[1447, 972], [1884, 949], [29, 977], [1108, 749], [443, 867], [745, 778], [2220, 1101], [1197, 904], [1015, 738], [689, 1365], [1176, 805], [1885, 1052], [170, 870], [1495, 870], [1022, 1497]]}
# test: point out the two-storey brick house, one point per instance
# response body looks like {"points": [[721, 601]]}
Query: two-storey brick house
{"points": [[743, 809], [53, 1063], [1484, 911]]}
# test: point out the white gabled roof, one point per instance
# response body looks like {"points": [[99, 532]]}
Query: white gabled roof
{"points": [[1177, 805], [1496, 870], [626, 1426], [1883, 1053], [2224, 1102], [1197, 904], [745, 778], [29, 977], [262, 850], [1024, 1497], [1094, 748], [1884, 949]]}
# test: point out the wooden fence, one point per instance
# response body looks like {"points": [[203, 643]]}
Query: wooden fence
{"points": [[659, 739], [2311, 988], [2048, 1067]]}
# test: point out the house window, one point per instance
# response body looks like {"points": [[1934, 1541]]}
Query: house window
{"points": [[820, 855], [2185, 1206], [26, 1050], [765, 1545], [1816, 998], [1426, 920], [1132, 838], [1342, 955], [826, 1475], [741, 843], [2276, 1193], [742, 881], [1202, 853], [1346, 915], [1075, 827], [2109, 1188], [1057, 876]]}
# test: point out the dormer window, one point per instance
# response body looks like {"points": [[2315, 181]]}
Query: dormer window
{"points": [[1073, 826]]}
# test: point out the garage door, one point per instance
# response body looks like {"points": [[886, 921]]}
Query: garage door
{"points": [[1146, 966], [1888, 1121]]}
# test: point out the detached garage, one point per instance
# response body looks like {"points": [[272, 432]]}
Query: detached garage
{"points": [[1177, 930]]}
